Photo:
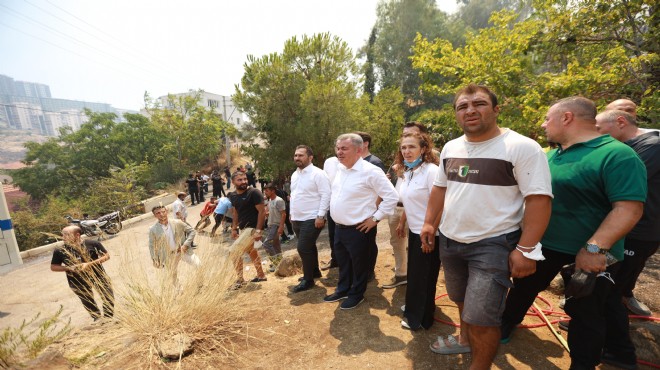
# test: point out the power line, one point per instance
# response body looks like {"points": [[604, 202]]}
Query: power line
{"points": [[79, 41], [119, 42], [65, 49]]}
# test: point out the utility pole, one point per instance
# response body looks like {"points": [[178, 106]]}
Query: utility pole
{"points": [[224, 116], [9, 253]]}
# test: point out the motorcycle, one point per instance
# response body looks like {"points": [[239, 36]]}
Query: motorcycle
{"points": [[108, 224]]}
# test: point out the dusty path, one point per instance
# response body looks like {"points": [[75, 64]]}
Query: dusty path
{"points": [[300, 331]]}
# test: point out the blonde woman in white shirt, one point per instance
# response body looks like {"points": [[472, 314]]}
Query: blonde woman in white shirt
{"points": [[417, 168]]}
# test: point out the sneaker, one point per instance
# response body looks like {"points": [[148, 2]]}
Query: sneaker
{"points": [[258, 279], [395, 282], [636, 307], [334, 297], [351, 303], [563, 325], [506, 330], [291, 236], [562, 302]]}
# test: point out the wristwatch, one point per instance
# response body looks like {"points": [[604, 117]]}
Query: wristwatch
{"points": [[374, 219], [595, 249]]}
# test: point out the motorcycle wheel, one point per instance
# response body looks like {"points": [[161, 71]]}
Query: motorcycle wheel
{"points": [[113, 227]]}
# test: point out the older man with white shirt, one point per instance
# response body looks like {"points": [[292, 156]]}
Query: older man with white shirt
{"points": [[310, 200], [330, 169], [355, 189]]}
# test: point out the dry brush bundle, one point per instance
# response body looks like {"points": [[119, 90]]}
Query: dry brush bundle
{"points": [[183, 303]]}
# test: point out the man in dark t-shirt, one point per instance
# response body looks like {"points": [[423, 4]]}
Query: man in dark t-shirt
{"points": [[218, 188], [248, 217], [81, 260], [643, 240], [193, 189]]}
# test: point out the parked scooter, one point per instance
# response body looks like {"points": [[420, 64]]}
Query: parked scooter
{"points": [[108, 224]]}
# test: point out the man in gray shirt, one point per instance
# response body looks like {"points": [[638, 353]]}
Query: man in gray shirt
{"points": [[276, 210]]}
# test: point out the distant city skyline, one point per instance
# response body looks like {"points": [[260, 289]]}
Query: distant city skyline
{"points": [[114, 51]]}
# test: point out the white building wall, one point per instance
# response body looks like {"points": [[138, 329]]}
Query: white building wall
{"points": [[222, 105], [28, 116]]}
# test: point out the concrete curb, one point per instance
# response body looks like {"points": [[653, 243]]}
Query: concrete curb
{"points": [[50, 247]]}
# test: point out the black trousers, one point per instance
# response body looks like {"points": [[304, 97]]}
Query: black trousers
{"points": [[423, 270], [219, 190], [598, 321], [637, 253], [373, 252], [82, 287], [353, 252], [194, 194], [307, 235], [218, 220], [331, 236]]}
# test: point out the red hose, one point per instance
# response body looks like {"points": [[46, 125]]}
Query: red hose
{"points": [[549, 311]]}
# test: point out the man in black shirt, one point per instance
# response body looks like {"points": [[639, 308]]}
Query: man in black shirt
{"points": [[248, 216], [81, 260], [201, 182], [193, 189], [218, 188], [643, 240]]}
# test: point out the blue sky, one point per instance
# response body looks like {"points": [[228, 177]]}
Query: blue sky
{"points": [[114, 51]]}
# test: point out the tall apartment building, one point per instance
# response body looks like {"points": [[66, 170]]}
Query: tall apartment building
{"points": [[30, 106]]}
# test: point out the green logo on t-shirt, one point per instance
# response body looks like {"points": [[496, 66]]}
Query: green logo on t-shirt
{"points": [[463, 171]]}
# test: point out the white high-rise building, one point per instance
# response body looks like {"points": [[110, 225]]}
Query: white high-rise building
{"points": [[221, 104]]}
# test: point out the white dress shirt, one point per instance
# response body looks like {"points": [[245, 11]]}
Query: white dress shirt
{"points": [[310, 193], [415, 191], [169, 235], [330, 167], [355, 191]]}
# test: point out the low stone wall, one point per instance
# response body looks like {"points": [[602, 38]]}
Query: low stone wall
{"points": [[164, 199]]}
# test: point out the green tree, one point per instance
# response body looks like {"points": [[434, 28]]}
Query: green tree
{"points": [[304, 95], [192, 131], [386, 120], [368, 67], [475, 14], [534, 62], [398, 21]]}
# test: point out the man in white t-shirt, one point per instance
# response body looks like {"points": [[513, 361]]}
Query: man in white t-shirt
{"points": [[490, 181], [179, 207]]}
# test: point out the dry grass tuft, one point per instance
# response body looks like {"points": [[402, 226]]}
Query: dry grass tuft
{"points": [[200, 305]]}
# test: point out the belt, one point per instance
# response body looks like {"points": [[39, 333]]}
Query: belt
{"points": [[346, 226], [400, 204]]}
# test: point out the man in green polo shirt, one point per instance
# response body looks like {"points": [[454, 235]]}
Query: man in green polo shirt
{"points": [[599, 186]]}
